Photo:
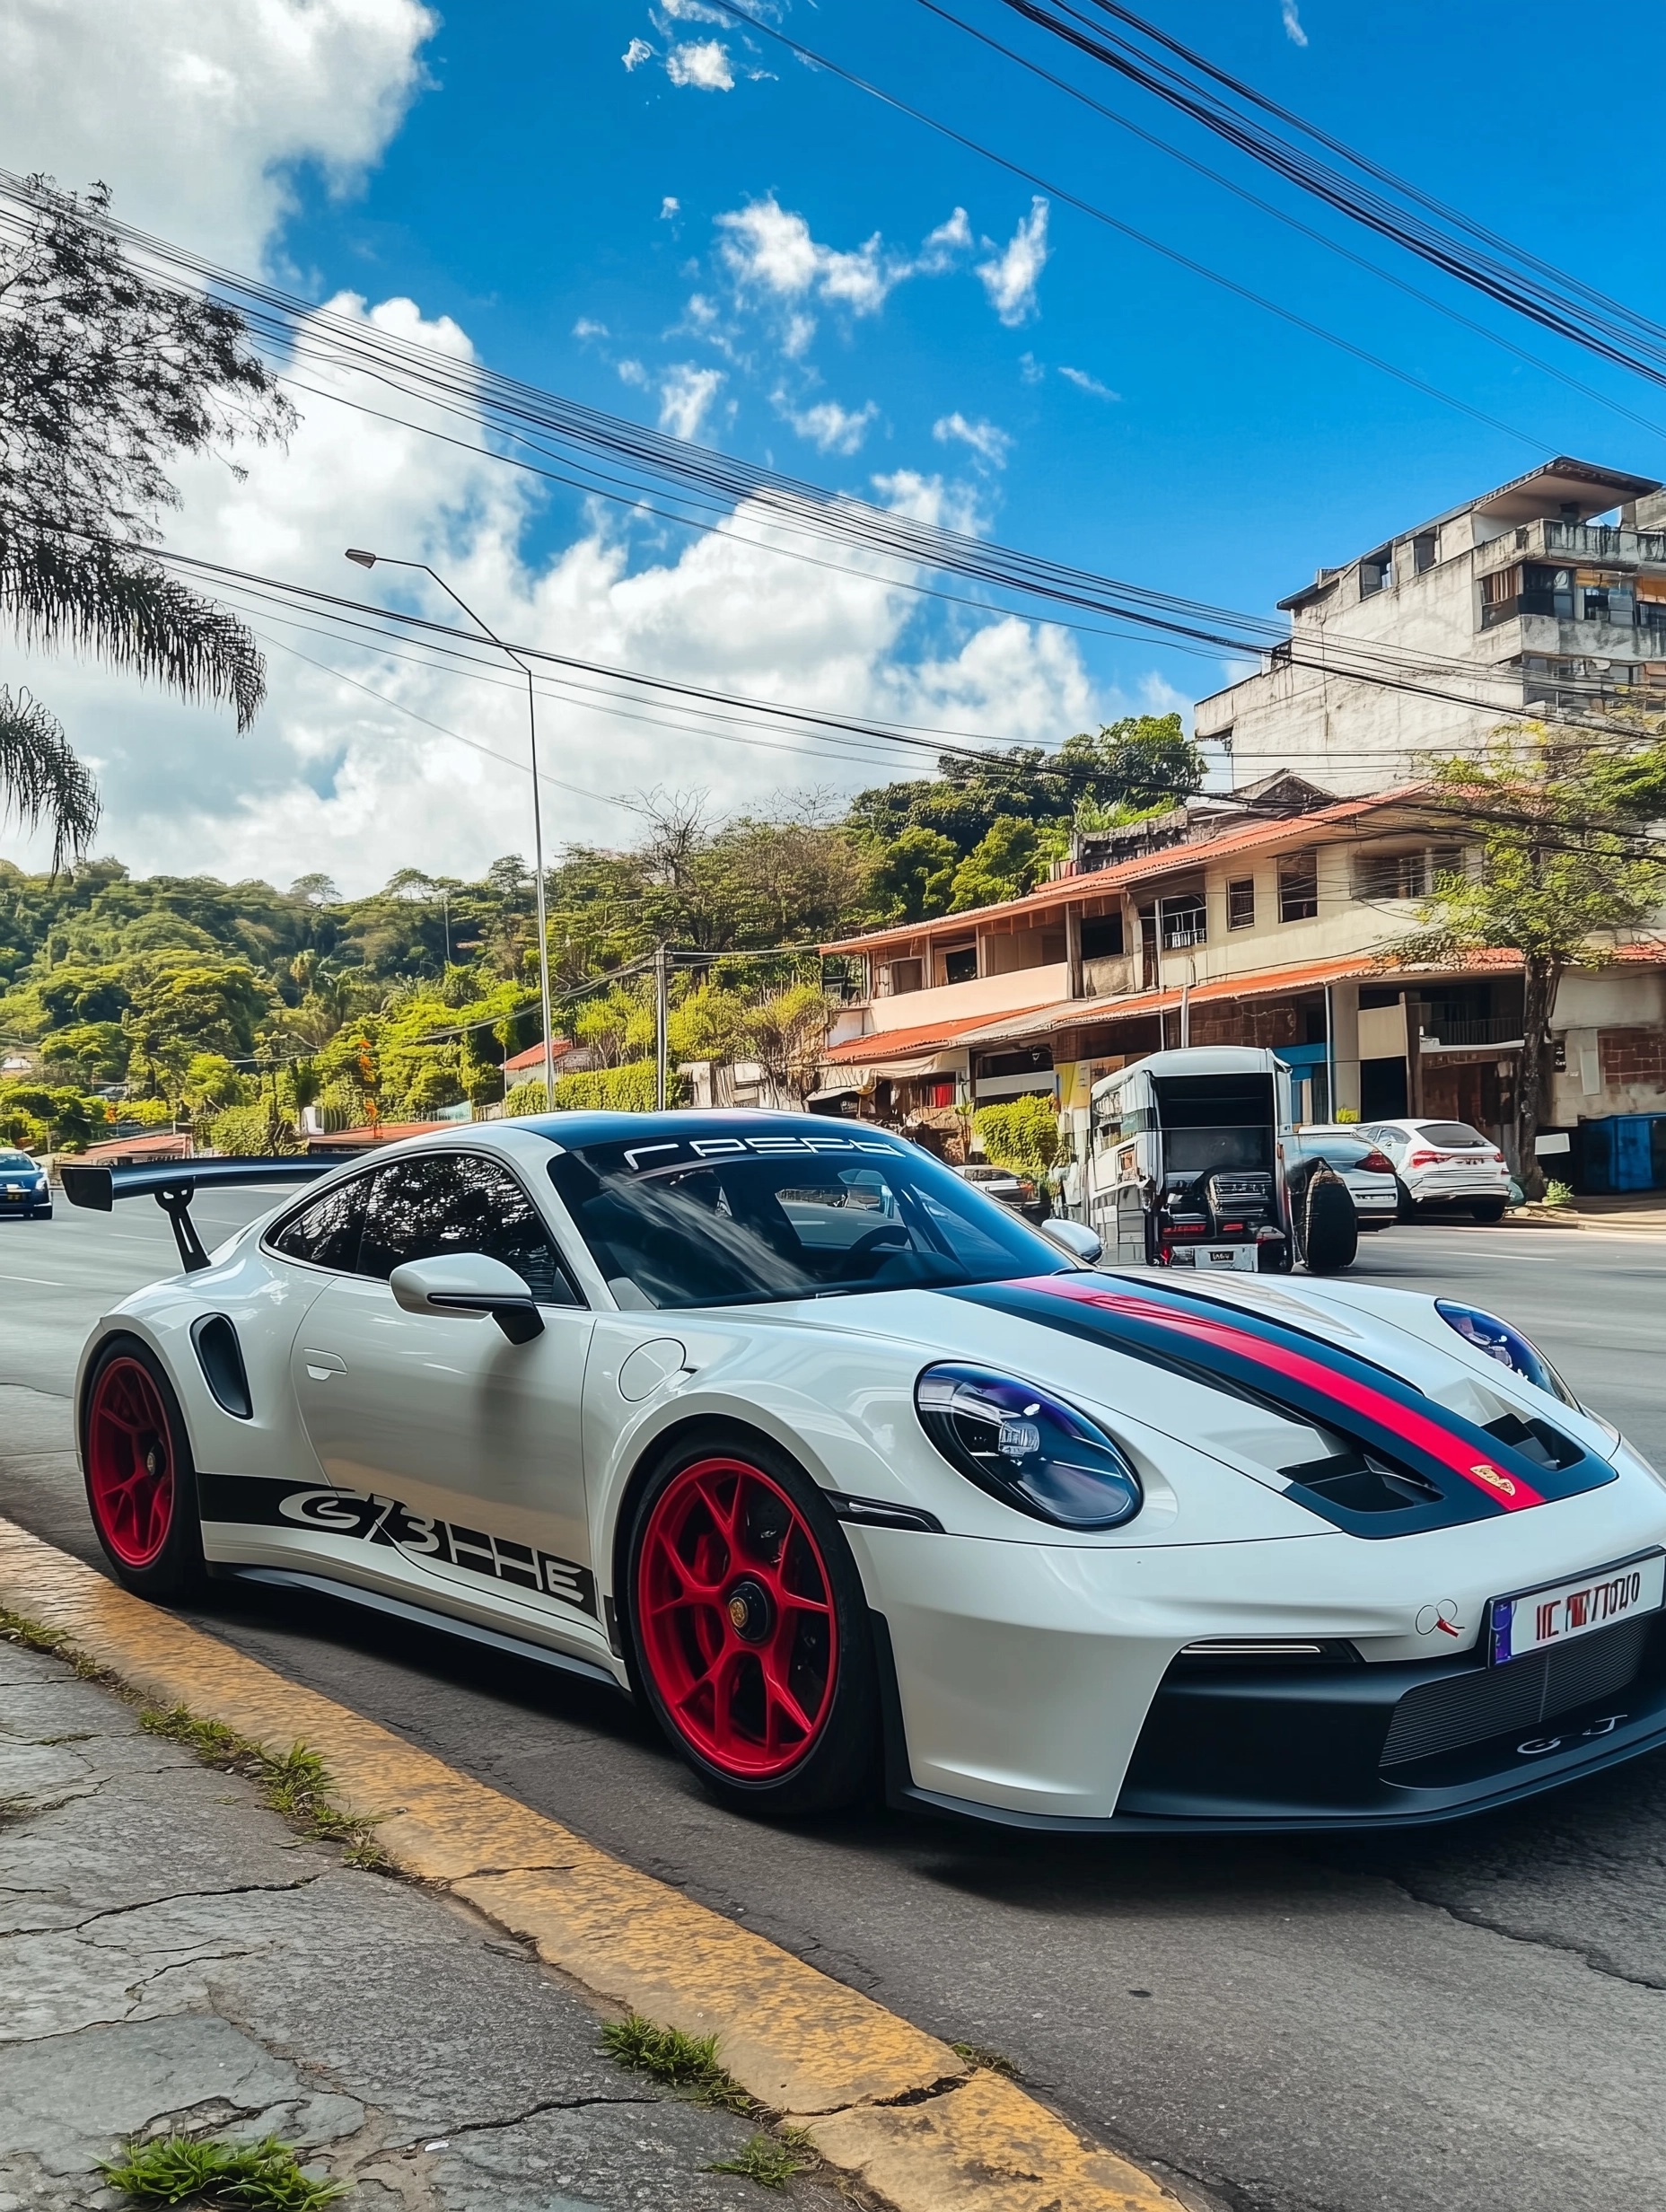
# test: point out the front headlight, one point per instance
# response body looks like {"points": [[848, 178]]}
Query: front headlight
{"points": [[1027, 1448], [1507, 1346]]}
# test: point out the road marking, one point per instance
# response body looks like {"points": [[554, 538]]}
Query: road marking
{"points": [[45, 1282], [883, 2102]]}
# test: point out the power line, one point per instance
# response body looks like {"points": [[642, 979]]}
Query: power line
{"points": [[1522, 282]]}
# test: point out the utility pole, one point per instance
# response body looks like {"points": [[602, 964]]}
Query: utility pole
{"points": [[661, 1024], [361, 559]]}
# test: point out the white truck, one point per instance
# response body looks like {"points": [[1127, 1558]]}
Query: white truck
{"points": [[1191, 1164]]}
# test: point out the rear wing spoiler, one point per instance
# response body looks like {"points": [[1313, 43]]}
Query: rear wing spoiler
{"points": [[174, 1183]]}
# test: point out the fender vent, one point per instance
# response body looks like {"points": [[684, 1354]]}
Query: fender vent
{"points": [[220, 1356]]}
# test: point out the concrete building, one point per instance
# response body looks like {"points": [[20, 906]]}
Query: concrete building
{"points": [[1236, 928], [1519, 602]]}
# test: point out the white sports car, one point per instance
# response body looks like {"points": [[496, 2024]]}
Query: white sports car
{"points": [[854, 1477]]}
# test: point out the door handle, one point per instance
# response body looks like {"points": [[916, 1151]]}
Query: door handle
{"points": [[321, 1366]]}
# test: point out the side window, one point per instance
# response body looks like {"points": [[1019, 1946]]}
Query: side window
{"points": [[325, 1231], [458, 1202]]}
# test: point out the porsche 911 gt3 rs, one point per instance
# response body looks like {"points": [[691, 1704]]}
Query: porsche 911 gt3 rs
{"points": [[853, 1478]]}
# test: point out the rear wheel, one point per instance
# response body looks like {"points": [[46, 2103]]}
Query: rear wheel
{"points": [[141, 1483], [1487, 1209], [1329, 1226], [748, 1629]]}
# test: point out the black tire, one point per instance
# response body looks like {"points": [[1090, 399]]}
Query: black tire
{"points": [[1487, 1209], [176, 1570], [843, 1763], [1329, 1226]]}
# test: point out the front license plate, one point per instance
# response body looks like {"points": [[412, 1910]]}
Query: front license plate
{"points": [[1563, 1611]]}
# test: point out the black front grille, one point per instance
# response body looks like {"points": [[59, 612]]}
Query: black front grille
{"points": [[1491, 1701]]}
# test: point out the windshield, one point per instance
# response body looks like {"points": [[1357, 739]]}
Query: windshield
{"points": [[727, 1221], [13, 1160]]}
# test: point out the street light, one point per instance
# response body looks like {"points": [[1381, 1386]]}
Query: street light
{"points": [[369, 560]]}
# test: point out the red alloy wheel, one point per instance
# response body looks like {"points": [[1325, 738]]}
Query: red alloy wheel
{"points": [[130, 1463], [734, 1605]]}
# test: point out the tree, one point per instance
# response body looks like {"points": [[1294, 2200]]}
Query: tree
{"points": [[1566, 869], [913, 878], [105, 378], [39, 775], [1005, 863], [1020, 1134], [787, 1036]]}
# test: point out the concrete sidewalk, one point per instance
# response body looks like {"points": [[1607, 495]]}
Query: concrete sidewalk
{"points": [[173, 1958]]}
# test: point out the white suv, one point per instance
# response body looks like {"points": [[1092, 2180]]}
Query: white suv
{"points": [[1445, 1165]]}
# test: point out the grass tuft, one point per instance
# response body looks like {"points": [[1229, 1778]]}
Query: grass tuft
{"points": [[177, 2169], [295, 1783], [18, 1628], [56, 1643], [976, 2054], [771, 2159], [681, 2061]]}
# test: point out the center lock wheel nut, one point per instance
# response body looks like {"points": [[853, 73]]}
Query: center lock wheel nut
{"points": [[752, 1614]]}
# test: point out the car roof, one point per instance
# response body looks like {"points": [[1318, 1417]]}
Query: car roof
{"points": [[573, 1131]]}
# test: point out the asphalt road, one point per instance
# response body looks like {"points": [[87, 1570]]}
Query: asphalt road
{"points": [[1468, 2018]]}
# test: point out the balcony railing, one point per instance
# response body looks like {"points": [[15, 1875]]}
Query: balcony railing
{"points": [[1495, 1029], [1603, 542]]}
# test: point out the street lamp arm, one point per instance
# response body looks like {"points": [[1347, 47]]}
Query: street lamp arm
{"points": [[370, 560]]}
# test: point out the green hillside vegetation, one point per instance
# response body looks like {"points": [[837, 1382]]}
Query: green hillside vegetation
{"points": [[234, 1005]]}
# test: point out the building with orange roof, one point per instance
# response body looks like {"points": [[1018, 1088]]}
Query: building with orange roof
{"points": [[1264, 918]]}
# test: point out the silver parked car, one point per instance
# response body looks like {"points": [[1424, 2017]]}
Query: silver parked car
{"points": [[1366, 1169]]}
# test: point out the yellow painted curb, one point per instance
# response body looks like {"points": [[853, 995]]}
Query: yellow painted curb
{"points": [[882, 2101]]}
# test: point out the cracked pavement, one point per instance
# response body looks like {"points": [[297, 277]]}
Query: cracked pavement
{"points": [[172, 1956], [1473, 2017]]}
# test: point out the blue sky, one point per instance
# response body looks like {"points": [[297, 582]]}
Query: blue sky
{"points": [[524, 195], [762, 255]]}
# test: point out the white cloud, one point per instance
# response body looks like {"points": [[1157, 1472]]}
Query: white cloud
{"points": [[636, 53], [768, 248], [197, 113], [692, 12], [988, 441], [1293, 23], [1084, 382], [684, 394], [329, 779], [1030, 369], [703, 63], [670, 206], [192, 112], [584, 327], [943, 245], [633, 372], [1011, 275], [829, 427]]}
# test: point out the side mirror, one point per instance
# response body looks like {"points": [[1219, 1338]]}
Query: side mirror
{"points": [[469, 1283], [1073, 1237]]}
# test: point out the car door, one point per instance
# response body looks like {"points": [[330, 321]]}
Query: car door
{"points": [[470, 1445]]}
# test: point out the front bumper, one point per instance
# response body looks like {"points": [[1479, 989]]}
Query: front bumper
{"points": [[1052, 1689], [1252, 1745]]}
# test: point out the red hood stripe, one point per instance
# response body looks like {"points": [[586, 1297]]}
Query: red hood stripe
{"points": [[1509, 1491]]}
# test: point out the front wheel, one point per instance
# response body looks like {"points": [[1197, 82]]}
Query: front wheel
{"points": [[141, 1483], [748, 1629]]}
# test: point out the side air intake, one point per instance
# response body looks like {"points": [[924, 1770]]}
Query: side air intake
{"points": [[220, 1356]]}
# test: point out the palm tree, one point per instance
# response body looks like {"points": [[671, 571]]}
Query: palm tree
{"points": [[107, 375]]}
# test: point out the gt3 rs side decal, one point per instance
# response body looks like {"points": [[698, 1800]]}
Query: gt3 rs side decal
{"points": [[250, 1500], [1476, 1474]]}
